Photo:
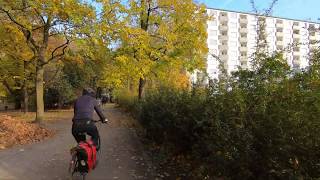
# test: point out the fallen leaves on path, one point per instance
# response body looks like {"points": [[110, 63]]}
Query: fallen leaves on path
{"points": [[14, 131]]}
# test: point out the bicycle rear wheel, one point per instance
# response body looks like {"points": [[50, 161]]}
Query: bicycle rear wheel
{"points": [[73, 163]]}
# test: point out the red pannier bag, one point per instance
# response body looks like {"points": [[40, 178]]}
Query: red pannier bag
{"points": [[90, 151]]}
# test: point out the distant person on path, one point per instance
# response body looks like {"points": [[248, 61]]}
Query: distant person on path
{"points": [[84, 108]]}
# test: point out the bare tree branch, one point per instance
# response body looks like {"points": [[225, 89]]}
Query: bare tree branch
{"points": [[58, 56], [13, 20], [36, 28], [269, 10], [254, 7], [41, 17]]}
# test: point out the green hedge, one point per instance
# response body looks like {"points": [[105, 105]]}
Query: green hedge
{"points": [[262, 124]]}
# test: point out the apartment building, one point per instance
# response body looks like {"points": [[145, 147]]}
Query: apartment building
{"points": [[232, 38]]}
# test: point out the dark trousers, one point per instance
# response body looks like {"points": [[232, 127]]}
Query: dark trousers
{"points": [[82, 127]]}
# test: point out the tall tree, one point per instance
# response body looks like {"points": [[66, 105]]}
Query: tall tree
{"points": [[41, 20], [160, 33], [15, 63]]}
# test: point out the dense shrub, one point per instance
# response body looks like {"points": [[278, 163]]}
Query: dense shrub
{"points": [[260, 124]]}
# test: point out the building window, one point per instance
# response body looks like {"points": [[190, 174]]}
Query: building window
{"points": [[224, 43], [233, 35], [224, 24], [242, 16], [311, 27], [279, 30], [224, 33], [213, 32], [253, 27], [233, 25], [212, 23], [243, 45], [233, 53], [223, 14], [243, 26], [279, 38], [243, 35], [233, 44], [303, 50], [279, 21], [224, 53], [212, 12], [212, 42], [287, 31], [213, 51], [233, 15]]}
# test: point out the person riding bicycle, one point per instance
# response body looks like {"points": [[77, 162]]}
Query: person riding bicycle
{"points": [[84, 108]]}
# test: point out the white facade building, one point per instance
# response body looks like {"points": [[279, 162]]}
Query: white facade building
{"points": [[232, 38]]}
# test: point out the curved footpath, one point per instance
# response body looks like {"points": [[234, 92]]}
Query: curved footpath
{"points": [[122, 155]]}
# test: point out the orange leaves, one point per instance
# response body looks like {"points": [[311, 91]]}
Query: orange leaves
{"points": [[13, 131]]}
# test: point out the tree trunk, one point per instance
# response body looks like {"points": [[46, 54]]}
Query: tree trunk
{"points": [[25, 98], [142, 83], [25, 89], [39, 94]]}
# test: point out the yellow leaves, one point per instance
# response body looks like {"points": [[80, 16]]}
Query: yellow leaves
{"points": [[122, 59], [173, 41]]}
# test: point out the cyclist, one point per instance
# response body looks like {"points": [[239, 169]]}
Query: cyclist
{"points": [[84, 108]]}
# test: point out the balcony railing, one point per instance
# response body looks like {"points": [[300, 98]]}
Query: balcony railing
{"points": [[223, 38], [297, 36], [223, 28], [243, 49], [243, 30], [223, 18], [243, 39]]}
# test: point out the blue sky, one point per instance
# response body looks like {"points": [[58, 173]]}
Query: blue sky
{"points": [[294, 9]]}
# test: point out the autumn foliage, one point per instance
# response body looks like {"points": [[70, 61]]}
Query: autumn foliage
{"points": [[16, 131]]}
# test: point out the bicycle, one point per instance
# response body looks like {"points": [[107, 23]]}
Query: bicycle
{"points": [[82, 167]]}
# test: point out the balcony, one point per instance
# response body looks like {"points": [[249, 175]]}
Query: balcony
{"points": [[223, 27], [296, 27], [223, 18], [243, 39], [243, 49], [244, 59], [224, 57], [243, 21], [312, 38], [296, 53], [280, 47], [279, 34], [279, 43], [296, 62], [244, 66], [279, 25], [243, 30], [296, 36], [223, 47], [223, 38]]}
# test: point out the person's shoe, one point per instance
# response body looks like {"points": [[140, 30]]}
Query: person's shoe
{"points": [[105, 120]]}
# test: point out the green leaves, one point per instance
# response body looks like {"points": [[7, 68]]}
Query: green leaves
{"points": [[258, 124]]}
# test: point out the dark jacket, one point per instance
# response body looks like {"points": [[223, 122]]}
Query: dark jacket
{"points": [[84, 108]]}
